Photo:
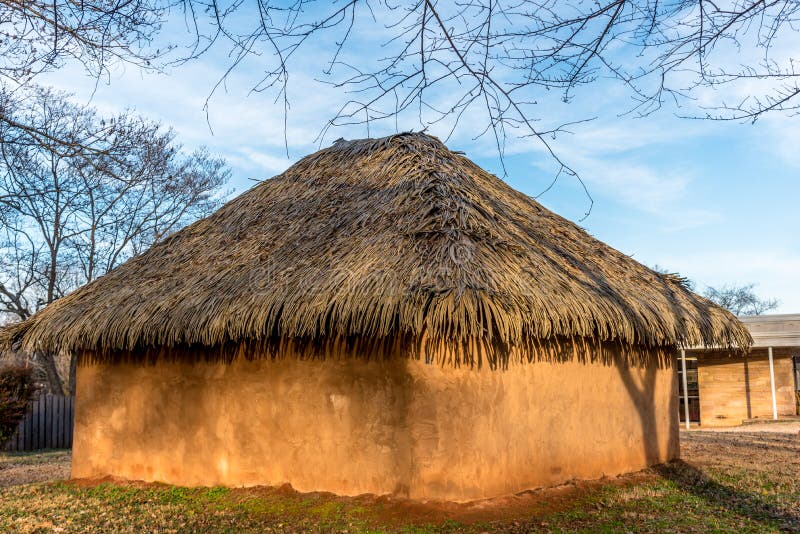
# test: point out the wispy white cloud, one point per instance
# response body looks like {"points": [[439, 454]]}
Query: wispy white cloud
{"points": [[780, 137], [628, 162], [262, 161], [656, 191]]}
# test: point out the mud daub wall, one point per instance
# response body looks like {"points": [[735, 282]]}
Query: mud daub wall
{"points": [[393, 426], [735, 388]]}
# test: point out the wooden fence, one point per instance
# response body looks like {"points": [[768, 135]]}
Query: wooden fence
{"points": [[47, 425]]}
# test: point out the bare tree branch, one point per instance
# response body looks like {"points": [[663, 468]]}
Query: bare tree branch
{"points": [[740, 300], [491, 62], [67, 217]]}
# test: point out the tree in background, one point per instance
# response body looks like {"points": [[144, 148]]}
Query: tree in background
{"points": [[740, 300], [70, 212], [39, 36]]}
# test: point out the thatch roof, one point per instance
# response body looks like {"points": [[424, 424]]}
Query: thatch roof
{"points": [[377, 238]]}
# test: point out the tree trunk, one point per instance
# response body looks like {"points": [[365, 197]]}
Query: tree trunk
{"points": [[73, 373], [49, 365]]}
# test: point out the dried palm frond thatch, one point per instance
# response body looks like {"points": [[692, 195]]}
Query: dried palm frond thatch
{"points": [[375, 239]]}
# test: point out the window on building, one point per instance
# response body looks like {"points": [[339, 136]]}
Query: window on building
{"points": [[692, 388]]}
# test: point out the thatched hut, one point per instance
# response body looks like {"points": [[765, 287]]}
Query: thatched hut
{"points": [[383, 317]]}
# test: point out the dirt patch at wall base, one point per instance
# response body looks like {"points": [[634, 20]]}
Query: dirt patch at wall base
{"points": [[390, 511]]}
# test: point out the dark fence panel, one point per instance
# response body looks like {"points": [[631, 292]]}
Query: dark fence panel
{"points": [[47, 425]]}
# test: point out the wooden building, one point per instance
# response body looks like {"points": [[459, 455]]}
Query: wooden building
{"points": [[724, 388], [383, 317]]}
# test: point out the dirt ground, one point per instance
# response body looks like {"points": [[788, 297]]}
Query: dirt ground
{"points": [[745, 480], [27, 468], [792, 427]]}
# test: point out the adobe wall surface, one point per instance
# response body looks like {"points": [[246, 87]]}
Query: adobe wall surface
{"points": [[351, 427], [733, 389]]}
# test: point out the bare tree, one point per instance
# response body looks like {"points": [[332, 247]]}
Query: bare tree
{"points": [[740, 300], [444, 60], [496, 61], [69, 215], [40, 35]]}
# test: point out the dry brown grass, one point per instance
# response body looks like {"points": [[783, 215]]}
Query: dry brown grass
{"points": [[377, 240]]}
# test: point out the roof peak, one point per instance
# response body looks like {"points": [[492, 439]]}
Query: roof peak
{"points": [[375, 238]]}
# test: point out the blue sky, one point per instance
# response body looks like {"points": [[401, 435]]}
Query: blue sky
{"points": [[718, 202]]}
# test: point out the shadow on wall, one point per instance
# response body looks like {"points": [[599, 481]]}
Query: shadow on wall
{"points": [[746, 505], [643, 396], [644, 400]]}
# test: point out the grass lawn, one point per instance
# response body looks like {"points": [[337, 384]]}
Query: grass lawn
{"points": [[727, 482]]}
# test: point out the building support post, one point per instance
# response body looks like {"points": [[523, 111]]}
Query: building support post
{"points": [[772, 385], [686, 389]]}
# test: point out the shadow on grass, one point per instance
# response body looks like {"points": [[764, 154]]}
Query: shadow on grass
{"points": [[744, 504]]}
